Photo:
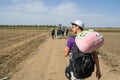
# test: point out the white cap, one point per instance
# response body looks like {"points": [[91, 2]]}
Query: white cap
{"points": [[79, 23]]}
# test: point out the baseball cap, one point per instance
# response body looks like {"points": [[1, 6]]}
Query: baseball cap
{"points": [[79, 23]]}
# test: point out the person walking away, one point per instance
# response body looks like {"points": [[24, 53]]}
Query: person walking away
{"points": [[58, 33], [52, 33], [78, 27], [66, 32], [62, 31]]}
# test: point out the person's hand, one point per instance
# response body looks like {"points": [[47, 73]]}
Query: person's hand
{"points": [[98, 74]]}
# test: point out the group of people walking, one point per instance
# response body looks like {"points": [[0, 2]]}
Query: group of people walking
{"points": [[61, 31]]}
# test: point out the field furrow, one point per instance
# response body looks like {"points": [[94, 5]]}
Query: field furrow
{"points": [[16, 49]]}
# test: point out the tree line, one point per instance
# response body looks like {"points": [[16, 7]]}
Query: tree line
{"points": [[28, 25]]}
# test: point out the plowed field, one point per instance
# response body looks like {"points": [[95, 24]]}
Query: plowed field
{"points": [[23, 57]]}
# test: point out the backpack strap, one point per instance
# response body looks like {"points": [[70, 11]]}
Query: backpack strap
{"points": [[73, 36]]}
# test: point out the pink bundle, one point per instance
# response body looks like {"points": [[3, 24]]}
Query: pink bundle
{"points": [[89, 41]]}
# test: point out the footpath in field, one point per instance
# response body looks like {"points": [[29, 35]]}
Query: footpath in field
{"points": [[48, 63]]}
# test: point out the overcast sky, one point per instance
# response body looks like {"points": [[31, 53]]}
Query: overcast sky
{"points": [[94, 13]]}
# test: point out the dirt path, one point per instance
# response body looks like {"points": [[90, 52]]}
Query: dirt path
{"points": [[49, 64]]}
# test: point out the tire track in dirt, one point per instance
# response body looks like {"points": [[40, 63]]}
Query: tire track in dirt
{"points": [[21, 43], [14, 40], [49, 64]]}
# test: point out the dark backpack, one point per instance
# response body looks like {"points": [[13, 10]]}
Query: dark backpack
{"points": [[81, 64]]}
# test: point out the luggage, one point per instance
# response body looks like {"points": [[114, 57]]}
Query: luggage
{"points": [[89, 40], [81, 64]]}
